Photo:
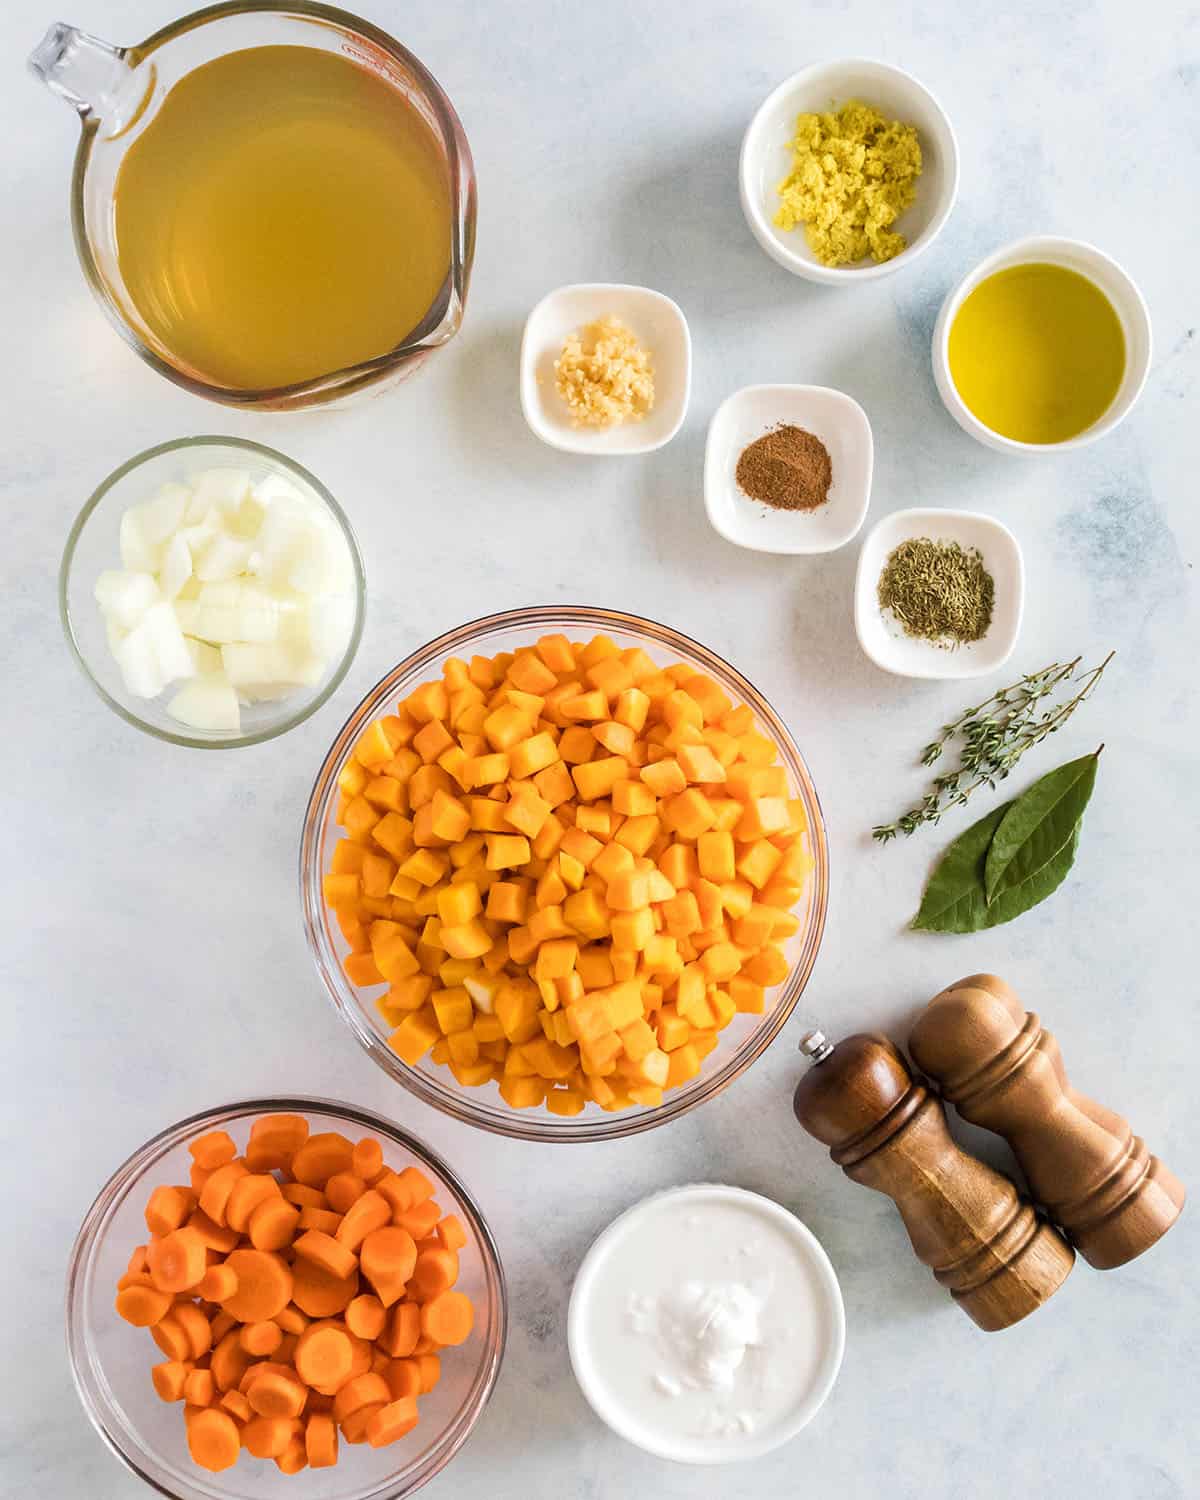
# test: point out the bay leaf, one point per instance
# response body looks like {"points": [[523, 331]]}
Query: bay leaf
{"points": [[1036, 887], [954, 899], [1038, 825]]}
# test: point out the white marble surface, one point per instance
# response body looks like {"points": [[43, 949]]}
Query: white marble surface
{"points": [[153, 961]]}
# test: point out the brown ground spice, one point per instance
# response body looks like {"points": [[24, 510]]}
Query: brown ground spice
{"points": [[787, 468]]}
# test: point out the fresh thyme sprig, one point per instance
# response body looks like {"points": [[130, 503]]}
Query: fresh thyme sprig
{"points": [[995, 734]]}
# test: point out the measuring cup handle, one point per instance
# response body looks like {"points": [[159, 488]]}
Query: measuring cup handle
{"points": [[79, 68]]}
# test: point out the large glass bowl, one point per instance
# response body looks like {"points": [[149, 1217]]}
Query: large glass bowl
{"points": [[94, 546], [747, 1036], [111, 1361]]}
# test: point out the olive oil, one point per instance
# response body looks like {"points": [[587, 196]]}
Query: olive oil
{"points": [[1037, 353], [286, 214]]}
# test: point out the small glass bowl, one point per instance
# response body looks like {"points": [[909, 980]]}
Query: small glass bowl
{"points": [[746, 1037], [111, 1361], [94, 546]]}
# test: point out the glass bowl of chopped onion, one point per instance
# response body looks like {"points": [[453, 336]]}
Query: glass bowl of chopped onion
{"points": [[212, 592], [370, 1008]]}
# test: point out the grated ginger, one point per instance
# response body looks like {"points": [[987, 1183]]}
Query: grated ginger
{"points": [[604, 375], [853, 175]]}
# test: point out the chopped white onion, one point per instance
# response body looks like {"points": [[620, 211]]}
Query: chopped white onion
{"points": [[242, 592]]}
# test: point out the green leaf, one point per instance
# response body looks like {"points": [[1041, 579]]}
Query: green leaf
{"points": [[954, 899], [1038, 826], [1017, 899]]}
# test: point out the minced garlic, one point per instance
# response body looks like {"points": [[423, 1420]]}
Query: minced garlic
{"points": [[604, 376], [853, 174]]}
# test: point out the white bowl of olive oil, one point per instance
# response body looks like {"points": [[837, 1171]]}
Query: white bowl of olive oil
{"points": [[1044, 346]]}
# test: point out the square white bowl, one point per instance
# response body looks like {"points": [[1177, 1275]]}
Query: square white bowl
{"points": [[835, 418], [882, 637], [766, 159], [657, 323]]}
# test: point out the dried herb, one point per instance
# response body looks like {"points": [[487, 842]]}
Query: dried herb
{"points": [[938, 591], [994, 735], [1013, 858], [787, 468]]}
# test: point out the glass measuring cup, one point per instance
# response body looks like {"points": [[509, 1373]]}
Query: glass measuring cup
{"points": [[117, 91]]}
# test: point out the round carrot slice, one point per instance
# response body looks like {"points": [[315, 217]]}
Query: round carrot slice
{"points": [[318, 1293], [320, 1157], [248, 1192], [212, 1150], [343, 1189], [323, 1250], [261, 1339], [168, 1208], [321, 1441], [392, 1421], [168, 1380], [363, 1390], [387, 1256], [218, 1283], [264, 1285], [324, 1356], [199, 1388], [143, 1306], [293, 1458], [168, 1334], [196, 1326], [366, 1317], [275, 1395], [214, 1195], [403, 1378], [435, 1272], [213, 1439], [448, 1318], [354, 1428], [367, 1158], [178, 1261], [273, 1223], [267, 1437]]}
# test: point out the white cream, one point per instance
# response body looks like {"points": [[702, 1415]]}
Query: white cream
{"points": [[706, 1325]]}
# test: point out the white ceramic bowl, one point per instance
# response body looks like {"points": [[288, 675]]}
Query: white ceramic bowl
{"points": [[767, 158], [881, 636], [659, 326], [632, 1416], [1116, 284], [830, 415]]}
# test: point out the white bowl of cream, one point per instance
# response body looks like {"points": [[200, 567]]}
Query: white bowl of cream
{"points": [[706, 1325]]}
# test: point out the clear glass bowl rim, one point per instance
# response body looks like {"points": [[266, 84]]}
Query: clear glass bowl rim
{"points": [[91, 1388], [442, 319], [532, 1125], [273, 456]]}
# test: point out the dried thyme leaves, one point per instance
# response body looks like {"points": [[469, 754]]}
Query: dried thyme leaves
{"points": [[938, 591]]}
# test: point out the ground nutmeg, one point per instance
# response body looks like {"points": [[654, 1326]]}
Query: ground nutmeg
{"points": [[787, 468]]}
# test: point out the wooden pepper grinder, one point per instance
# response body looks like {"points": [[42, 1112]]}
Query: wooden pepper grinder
{"points": [[1083, 1163], [997, 1259]]}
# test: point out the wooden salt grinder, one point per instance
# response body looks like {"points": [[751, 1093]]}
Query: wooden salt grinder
{"points": [[997, 1259], [1083, 1163]]}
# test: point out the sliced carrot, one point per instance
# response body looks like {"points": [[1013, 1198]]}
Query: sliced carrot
{"points": [[177, 1261], [367, 1159], [324, 1357], [369, 1212], [451, 1233], [317, 1293], [323, 1250], [366, 1317], [267, 1437], [259, 1339], [143, 1306], [262, 1367], [273, 1223], [264, 1285], [363, 1390], [213, 1439], [392, 1421], [248, 1192], [212, 1150], [448, 1318], [323, 1219], [215, 1236], [320, 1157], [354, 1428], [236, 1405], [430, 1368], [169, 1379], [291, 1319], [275, 1395], [137, 1262], [218, 1283], [220, 1325], [229, 1361], [343, 1189], [293, 1458], [196, 1327], [275, 1139], [168, 1208], [386, 1258], [214, 1195], [403, 1377], [199, 1388], [403, 1330], [321, 1441], [420, 1220], [435, 1272], [302, 1196]]}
